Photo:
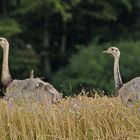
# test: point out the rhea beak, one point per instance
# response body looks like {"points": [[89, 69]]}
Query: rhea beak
{"points": [[104, 51]]}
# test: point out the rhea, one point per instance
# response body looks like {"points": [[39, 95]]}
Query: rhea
{"points": [[129, 91], [28, 88]]}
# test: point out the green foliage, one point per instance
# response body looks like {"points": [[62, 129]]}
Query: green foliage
{"points": [[9, 27], [22, 61], [130, 64], [55, 27], [85, 69], [90, 68]]}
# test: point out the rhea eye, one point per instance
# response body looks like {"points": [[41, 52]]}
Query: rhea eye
{"points": [[3, 41], [112, 49]]}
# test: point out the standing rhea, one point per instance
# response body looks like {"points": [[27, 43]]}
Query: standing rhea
{"points": [[129, 91], [31, 88]]}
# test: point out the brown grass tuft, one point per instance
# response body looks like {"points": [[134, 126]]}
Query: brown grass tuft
{"points": [[78, 118]]}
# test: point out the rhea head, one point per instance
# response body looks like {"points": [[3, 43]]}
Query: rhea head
{"points": [[3, 42], [113, 50]]}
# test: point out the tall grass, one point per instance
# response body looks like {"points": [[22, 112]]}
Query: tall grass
{"points": [[79, 118]]}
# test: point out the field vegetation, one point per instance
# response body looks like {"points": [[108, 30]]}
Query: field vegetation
{"points": [[77, 118]]}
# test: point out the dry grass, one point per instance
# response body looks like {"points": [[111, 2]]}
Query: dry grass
{"points": [[79, 118]]}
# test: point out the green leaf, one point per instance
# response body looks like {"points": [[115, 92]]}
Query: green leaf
{"points": [[9, 27]]}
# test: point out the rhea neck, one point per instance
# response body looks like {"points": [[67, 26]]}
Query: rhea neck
{"points": [[117, 76], [6, 77]]}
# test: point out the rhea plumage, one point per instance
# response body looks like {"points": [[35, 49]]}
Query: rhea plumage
{"points": [[129, 91], [31, 87]]}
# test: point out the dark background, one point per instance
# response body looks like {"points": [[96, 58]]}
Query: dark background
{"points": [[63, 40]]}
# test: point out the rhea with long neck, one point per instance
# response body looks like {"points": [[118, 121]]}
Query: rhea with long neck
{"points": [[18, 89], [5, 77], [117, 77]]}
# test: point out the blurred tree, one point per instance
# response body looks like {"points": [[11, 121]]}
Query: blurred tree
{"points": [[8, 25], [43, 18], [55, 27]]}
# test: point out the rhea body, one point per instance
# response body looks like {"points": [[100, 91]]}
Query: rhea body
{"points": [[129, 91], [28, 88]]}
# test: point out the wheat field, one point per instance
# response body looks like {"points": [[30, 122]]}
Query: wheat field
{"points": [[78, 118]]}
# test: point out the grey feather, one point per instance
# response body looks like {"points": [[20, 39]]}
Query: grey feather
{"points": [[130, 91], [33, 88]]}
